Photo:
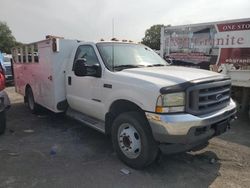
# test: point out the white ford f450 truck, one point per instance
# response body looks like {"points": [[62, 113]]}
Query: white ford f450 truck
{"points": [[127, 91]]}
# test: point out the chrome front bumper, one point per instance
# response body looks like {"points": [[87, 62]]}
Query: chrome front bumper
{"points": [[181, 128], [4, 101]]}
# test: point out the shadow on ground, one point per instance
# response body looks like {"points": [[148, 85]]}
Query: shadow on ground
{"points": [[84, 157], [239, 132]]}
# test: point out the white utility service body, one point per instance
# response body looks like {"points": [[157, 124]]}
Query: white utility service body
{"points": [[46, 77], [106, 92]]}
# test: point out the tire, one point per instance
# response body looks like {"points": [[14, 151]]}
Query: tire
{"points": [[249, 112], [2, 122], [133, 140], [33, 107]]}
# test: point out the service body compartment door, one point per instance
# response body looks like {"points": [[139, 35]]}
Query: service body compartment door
{"points": [[42, 83]]}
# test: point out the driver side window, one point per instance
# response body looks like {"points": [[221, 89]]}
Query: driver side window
{"points": [[88, 53]]}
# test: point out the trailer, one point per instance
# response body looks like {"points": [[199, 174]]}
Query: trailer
{"points": [[222, 47]]}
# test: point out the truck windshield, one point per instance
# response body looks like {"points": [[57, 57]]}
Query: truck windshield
{"points": [[119, 56]]}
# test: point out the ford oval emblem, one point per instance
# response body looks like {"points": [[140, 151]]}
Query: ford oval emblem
{"points": [[218, 97]]}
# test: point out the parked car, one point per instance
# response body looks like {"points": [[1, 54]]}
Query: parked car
{"points": [[4, 101]]}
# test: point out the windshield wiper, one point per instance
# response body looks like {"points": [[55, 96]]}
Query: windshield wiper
{"points": [[121, 67], [156, 65]]}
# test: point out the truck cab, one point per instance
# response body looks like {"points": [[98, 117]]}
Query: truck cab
{"points": [[127, 91]]}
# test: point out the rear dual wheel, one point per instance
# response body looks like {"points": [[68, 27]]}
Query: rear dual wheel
{"points": [[31, 101]]}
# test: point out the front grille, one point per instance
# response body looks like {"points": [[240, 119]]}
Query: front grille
{"points": [[208, 97]]}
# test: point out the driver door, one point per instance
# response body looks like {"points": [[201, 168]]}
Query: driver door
{"points": [[84, 93]]}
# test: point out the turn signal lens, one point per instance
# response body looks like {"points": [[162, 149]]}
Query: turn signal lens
{"points": [[158, 109]]}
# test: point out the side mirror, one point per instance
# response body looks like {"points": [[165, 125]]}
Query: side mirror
{"points": [[98, 70], [81, 69]]}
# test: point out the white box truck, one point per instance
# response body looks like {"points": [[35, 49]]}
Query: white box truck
{"points": [[127, 91], [218, 46]]}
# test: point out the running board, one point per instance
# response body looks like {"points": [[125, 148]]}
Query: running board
{"points": [[89, 121]]}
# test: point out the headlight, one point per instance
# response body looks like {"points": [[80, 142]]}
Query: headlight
{"points": [[173, 102]]}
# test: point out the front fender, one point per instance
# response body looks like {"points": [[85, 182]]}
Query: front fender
{"points": [[130, 95]]}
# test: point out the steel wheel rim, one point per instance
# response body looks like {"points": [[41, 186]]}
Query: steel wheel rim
{"points": [[129, 140]]}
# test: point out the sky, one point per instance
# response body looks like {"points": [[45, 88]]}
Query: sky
{"points": [[32, 20]]}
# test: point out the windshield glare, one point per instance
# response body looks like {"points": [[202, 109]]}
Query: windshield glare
{"points": [[128, 54]]}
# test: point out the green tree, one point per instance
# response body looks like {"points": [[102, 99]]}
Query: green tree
{"points": [[7, 40], [153, 37]]}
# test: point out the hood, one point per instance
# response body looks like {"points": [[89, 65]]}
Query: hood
{"points": [[167, 75]]}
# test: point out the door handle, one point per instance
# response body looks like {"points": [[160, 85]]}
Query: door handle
{"points": [[69, 80]]}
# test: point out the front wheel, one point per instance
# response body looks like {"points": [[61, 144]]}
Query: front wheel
{"points": [[249, 112], [133, 140], [2, 122]]}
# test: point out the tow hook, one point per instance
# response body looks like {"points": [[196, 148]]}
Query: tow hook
{"points": [[233, 118]]}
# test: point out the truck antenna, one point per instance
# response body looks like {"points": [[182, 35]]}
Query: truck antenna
{"points": [[113, 33]]}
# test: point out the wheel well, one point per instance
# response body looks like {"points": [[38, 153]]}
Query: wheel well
{"points": [[26, 89], [118, 107]]}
